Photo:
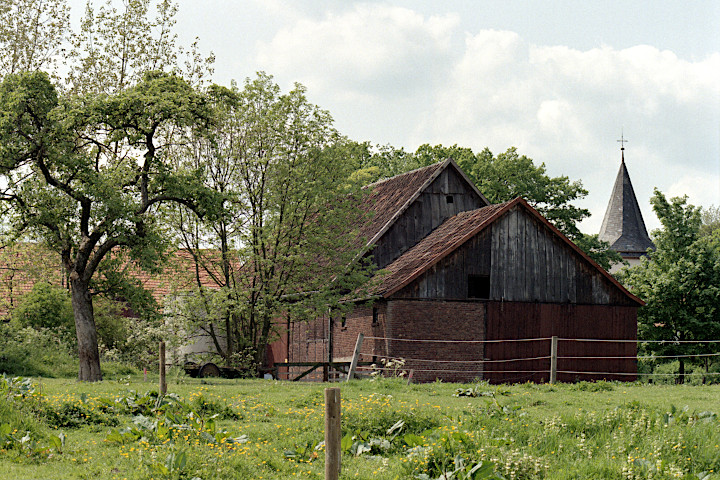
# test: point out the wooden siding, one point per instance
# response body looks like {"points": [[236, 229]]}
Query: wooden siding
{"points": [[526, 262], [531, 264], [520, 320], [425, 214], [449, 278]]}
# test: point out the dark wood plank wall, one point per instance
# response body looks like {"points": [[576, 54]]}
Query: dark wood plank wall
{"points": [[449, 278], [425, 214], [531, 264], [520, 320], [526, 263]]}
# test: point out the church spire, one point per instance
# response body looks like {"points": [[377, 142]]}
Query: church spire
{"points": [[623, 226]]}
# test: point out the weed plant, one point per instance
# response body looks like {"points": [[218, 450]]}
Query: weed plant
{"points": [[218, 429]]}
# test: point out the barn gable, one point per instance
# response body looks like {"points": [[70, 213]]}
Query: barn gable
{"points": [[472, 290], [404, 209], [505, 252]]}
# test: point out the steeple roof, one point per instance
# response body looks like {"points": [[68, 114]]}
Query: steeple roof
{"points": [[623, 226]]}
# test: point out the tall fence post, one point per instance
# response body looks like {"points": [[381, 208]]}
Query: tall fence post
{"points": [[553, 359], [332, 433], [163, 384], [356, 356]]}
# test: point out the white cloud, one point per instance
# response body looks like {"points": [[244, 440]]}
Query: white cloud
{"points": [[390, 74], [371, 49], [566, 107], [701, 190]]}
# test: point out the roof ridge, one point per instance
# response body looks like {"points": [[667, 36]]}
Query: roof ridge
{"points": [[381, 181]]}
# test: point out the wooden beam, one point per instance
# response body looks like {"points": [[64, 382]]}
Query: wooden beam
{"points": [[356, 356]]}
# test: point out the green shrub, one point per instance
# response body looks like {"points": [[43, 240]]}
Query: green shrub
{"points": [[73, 415], [30, 352], [46, 306]]}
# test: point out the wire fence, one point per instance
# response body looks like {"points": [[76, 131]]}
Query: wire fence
{"points": [[436, 362]]}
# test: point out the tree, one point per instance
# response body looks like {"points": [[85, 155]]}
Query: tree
{"points": [[31, 34], [282, 245], [87, 175], [680, 283], [114, 48], [508, 175], [710, 220]]}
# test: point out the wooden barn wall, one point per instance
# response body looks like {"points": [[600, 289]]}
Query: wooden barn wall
{"points": [[526, 263], [518, 320], [448, 279], [409, 322], [531, 264], [428, 211]]}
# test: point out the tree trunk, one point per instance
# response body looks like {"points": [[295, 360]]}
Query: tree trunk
{"points": [[88, 355]]}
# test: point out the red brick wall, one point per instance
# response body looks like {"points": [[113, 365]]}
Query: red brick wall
{"points": [[360, 320], [437, 320], [308, 343]]}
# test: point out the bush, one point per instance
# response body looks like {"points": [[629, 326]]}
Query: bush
{"points": [[36, 352], [46, 306], [73, 415]]}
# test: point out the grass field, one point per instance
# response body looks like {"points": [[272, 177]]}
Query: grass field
{"points": [[223, 429]]}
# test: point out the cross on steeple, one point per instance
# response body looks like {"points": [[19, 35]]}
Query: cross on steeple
{"points": [[622, 146]]}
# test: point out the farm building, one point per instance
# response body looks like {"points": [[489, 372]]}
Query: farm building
{"points": [[468, 290]]}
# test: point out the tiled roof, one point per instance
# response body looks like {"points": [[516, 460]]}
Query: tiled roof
{"points": [[29, 263], [447, 237], [623, 226]]}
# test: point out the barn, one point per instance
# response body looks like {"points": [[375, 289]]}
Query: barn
{"points": [[467, 290]]}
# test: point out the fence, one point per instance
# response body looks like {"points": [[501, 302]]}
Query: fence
{"points": [[564, 359]]}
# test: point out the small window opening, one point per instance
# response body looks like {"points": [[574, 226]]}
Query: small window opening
{"points": [[343, 321], [449, 199], [376, 316], [479, 286]]}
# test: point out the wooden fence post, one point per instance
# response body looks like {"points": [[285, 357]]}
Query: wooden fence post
{"points": [[163, 384], [332, 433], [553, 359], [356, 356]]}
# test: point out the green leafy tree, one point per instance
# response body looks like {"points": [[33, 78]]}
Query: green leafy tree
{"points": [[87, 175], [710, 220], [94, 151], [32, 33], [680, 281], [113, 48], [282, 245]]}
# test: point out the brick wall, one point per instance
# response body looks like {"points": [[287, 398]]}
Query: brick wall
{"points": [[361, 320], [308, 343], [437, 320]]}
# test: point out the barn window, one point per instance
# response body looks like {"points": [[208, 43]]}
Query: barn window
{"points": [[478, 286], [343, 321], [375, 316], [449, 199]]}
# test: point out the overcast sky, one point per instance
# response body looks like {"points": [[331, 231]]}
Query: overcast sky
{"points": [[559, 80]]}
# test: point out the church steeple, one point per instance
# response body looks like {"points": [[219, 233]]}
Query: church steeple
{"points": [[623, 226]]}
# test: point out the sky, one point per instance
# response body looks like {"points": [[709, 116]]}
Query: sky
{"points": [[559, 80]]}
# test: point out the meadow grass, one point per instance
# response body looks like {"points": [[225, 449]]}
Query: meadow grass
{"points": [[218, 429]]}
